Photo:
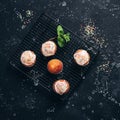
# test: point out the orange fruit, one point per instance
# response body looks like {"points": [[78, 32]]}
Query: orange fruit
{"points": [[55, 66]]}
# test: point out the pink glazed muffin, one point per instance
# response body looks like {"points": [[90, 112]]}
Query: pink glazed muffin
{"points": [[48, 48], [61, 86], [28, 58], [81, 57]]}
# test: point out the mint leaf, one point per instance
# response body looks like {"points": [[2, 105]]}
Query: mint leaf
{"points": [[60, 30], [67, 37], [60, 44], [60, 41], [62, 38]]}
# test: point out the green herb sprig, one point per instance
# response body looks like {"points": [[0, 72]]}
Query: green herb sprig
{"points": [[62, 38]]}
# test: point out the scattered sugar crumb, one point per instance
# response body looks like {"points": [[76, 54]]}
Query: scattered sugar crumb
{"points": [[89, 30], [51, 110]]}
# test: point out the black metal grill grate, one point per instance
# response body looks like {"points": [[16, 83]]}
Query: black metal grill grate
{"points": [[42, 30]]}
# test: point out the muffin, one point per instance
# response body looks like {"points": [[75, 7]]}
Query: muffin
{"points": [[48, 48], [28, 58], [61, 86], [82, 57], [55, 66]]}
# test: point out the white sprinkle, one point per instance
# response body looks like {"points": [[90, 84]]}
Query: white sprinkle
{"points": [[51, 110], [64, 3], [75, 94], [66, 106], [36, 82], [29, 13], [48, 118], [118, 65], [14, 114], [113, 118], [101, 104], [83, 108], [73, 105], [89, 98], [92, 111], [23, 26]]}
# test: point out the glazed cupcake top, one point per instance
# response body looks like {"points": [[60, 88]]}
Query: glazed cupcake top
{"points": [[48, 48], [28, 58], [61, 86], [82, 57]]}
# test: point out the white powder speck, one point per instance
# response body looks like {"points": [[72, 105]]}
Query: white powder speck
{"points": [[83, 77], [68, 103], [83, 1], [66, 106], [83, 108], [30, 102], [113, 118], [113, 64], [14, 114], [94, 91], [29, 13], [48, 118], [36, 82], [73, 105], [89, 98], [88, 118], [92, 111], [75, 94], [23, 26], [51, 110], [64, 3], [113, 14], [101, 104], [89, 30], [107, 1], [57, 20], [19, 15], [118, 65]]}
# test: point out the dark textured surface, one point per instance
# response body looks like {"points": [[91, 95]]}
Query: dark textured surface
{"points": [[42, 30], [98, 96]]}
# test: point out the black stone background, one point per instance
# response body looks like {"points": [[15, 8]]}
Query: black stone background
{"points": [[98, 97]]}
